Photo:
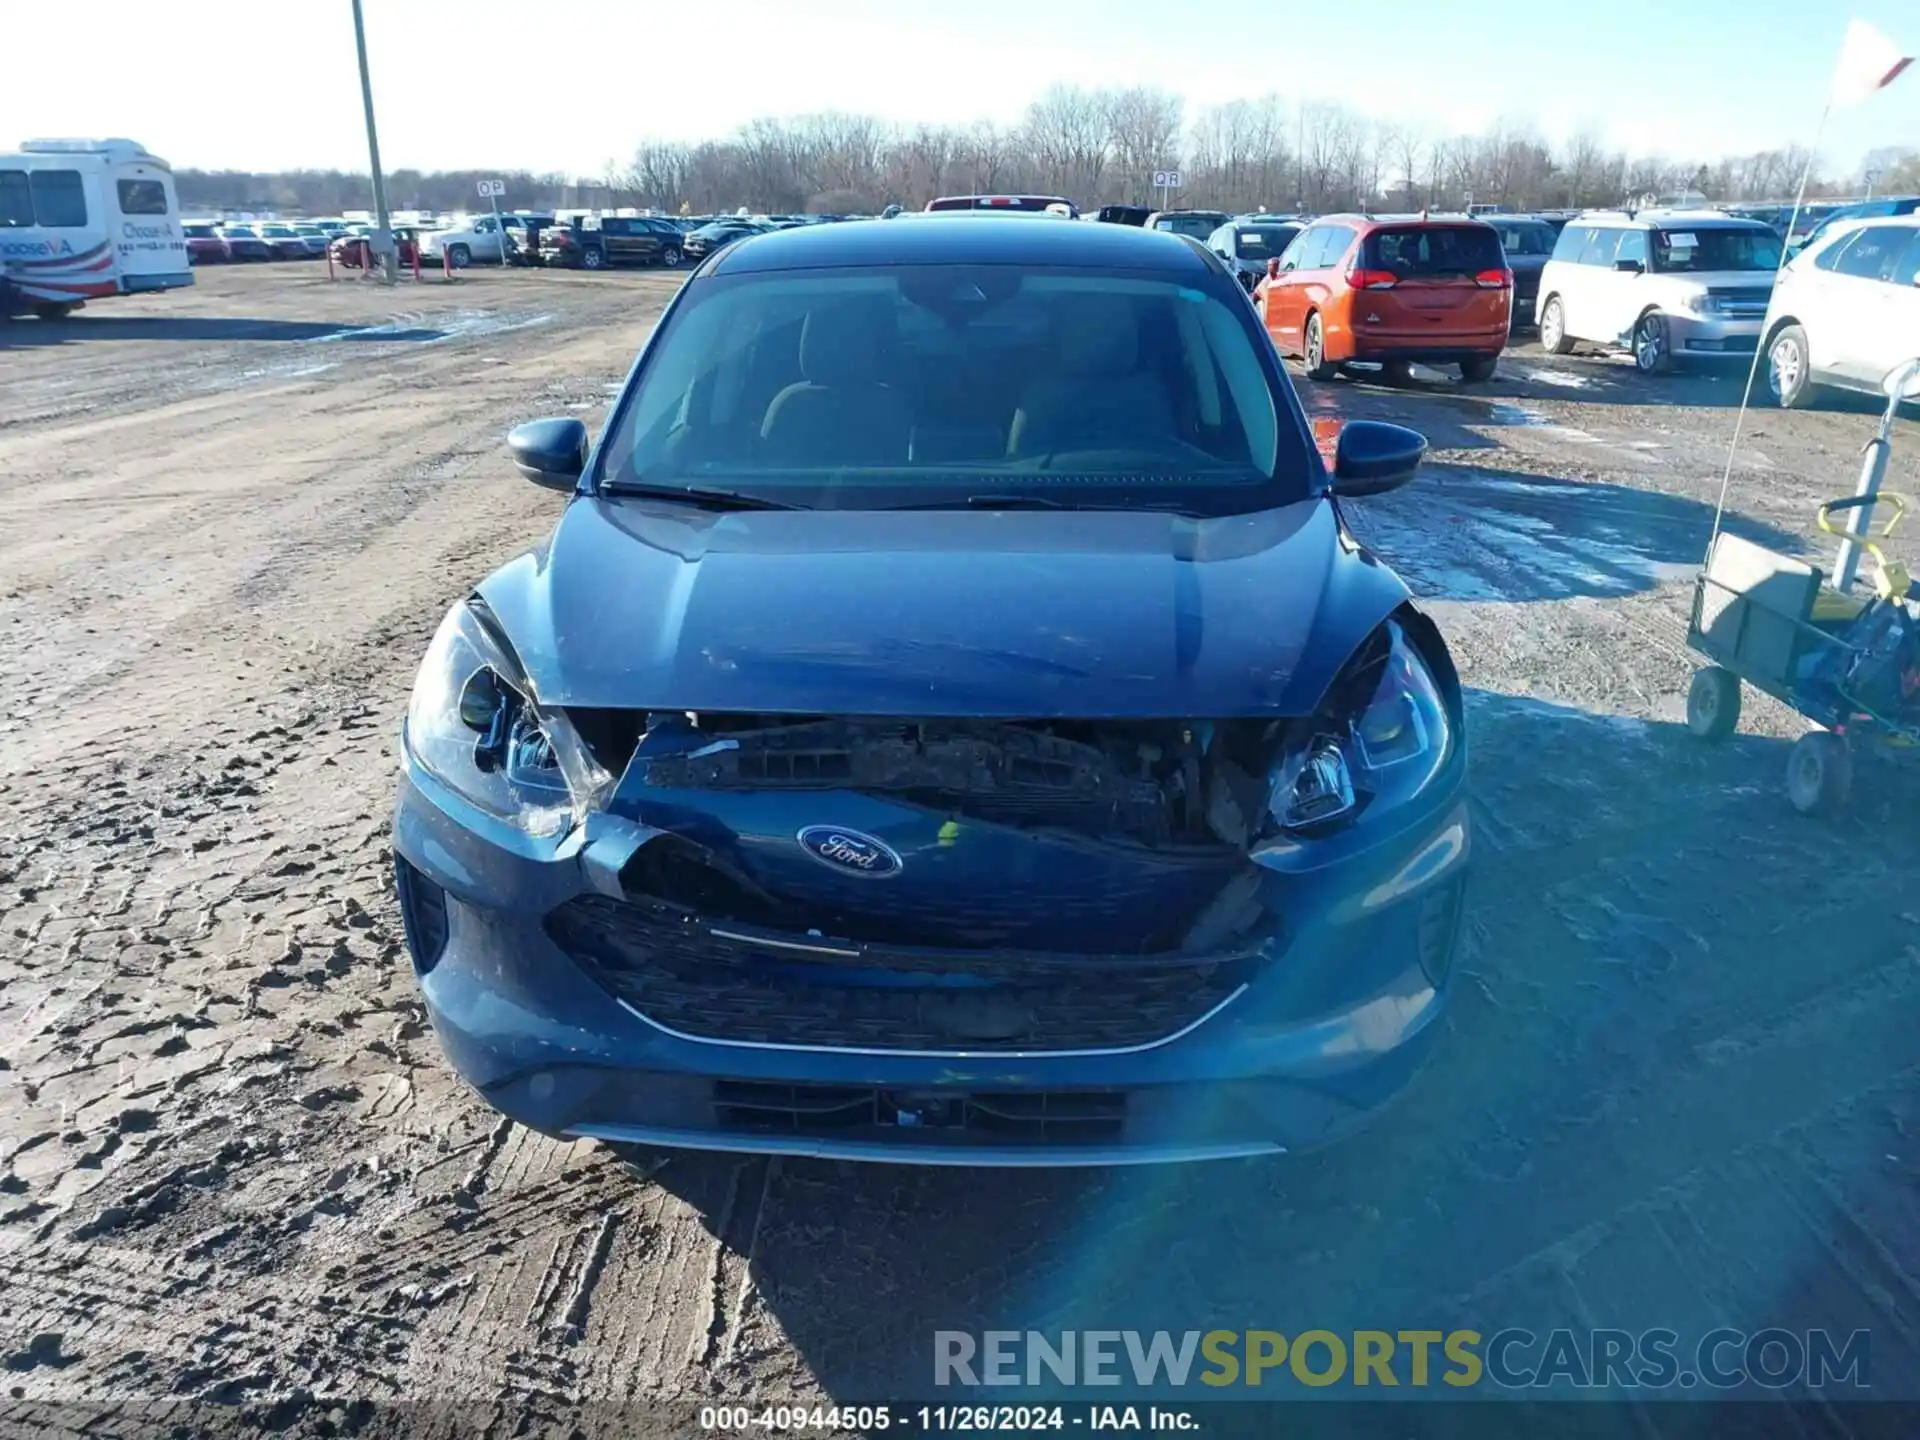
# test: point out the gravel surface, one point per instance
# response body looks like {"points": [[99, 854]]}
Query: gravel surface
{"points": [[1678, 1087]]}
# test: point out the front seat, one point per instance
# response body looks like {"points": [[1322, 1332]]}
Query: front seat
{"points": [[840, 412], [1095, 395]]}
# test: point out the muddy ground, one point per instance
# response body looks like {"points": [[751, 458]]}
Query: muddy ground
{"points": [[1677, 1088]]}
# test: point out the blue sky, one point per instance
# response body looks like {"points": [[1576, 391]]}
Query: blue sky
{"points": [[484, 83]]}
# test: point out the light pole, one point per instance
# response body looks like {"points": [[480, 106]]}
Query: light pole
{"points": [[1871, 177], [382, 229]]}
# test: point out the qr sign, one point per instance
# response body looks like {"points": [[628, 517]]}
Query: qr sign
{"points": [[1166, 179]]}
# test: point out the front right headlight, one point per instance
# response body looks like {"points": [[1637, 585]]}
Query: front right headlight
{"points": [[475, 725], [1382, 737]]}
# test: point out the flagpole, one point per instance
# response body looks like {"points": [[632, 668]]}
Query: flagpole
{"points": [[1760, 347]]}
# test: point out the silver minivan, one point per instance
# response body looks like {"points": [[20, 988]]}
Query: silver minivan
{"points": [[1666, 285]]}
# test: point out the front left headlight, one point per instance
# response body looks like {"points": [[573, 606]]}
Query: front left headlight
{"points": [[1382, 738], [1704, 304], [475, 725]]}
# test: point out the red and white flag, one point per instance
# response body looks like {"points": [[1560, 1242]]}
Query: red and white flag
{"points": [[1869, 61]]}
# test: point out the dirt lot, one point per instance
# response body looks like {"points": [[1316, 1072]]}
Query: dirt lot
{"points": [[1678, 1088]]}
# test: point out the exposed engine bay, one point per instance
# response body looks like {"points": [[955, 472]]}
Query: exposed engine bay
{"points": [[1151, 782]]}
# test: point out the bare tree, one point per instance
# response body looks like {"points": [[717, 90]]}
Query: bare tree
{"points": [[1143, 129]]}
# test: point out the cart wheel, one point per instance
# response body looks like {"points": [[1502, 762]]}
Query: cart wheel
{"points": [[1819, 773], [1713, 703]]}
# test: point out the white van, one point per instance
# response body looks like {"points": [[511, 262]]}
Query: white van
{"points": [[80, 219]]}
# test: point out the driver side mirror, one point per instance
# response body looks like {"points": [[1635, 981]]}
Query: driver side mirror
{"points": [[550, 453], [1372, 457], [1903, 381]]}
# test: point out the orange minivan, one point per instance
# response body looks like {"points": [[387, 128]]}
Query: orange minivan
{"points": [[1392, 290]]}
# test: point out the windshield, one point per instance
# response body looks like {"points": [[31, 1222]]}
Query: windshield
{"points": [[1417, 251], [1708, 248], [1519, 240], [1257, 242], [1198, 226], [889, 386]]}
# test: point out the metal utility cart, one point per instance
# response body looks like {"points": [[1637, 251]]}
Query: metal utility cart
{"points": [[1847, 659]]}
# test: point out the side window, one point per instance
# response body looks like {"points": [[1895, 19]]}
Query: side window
{"points": [[1601, 247], [1339, 237], [16, 204], [1829, 258], [1870, 255], [1300, 254], [1572, 241], [59, 199], [1633, 246], [1906, 269]]}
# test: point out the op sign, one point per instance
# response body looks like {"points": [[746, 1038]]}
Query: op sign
{"points": [[1166, 179], [493, 187]]}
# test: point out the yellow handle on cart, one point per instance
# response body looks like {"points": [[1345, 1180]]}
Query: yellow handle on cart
{"points": [[1891, 580], [1900, 505]]}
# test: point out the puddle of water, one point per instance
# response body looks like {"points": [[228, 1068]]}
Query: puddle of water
{"points": [[1565, 379]]}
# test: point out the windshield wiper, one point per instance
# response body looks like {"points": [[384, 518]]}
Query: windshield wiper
{"points": [[694, 495], [1040, 502]]}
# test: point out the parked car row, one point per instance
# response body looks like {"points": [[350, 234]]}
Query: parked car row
{"points": [[216, 242]]}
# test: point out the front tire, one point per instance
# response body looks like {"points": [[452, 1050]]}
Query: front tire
{"points": [[1790, 368], [1314, 352], [1819, 773], [1713, 703], [1553, 329], [1479, 369], [591, 259], [1652, 352], [459, 256], [55, 309], [670, 257], [1397, 372]]}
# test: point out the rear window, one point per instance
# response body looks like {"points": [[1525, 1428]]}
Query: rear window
{"points": [[1684, 249], [1421, 250], [883, 386], [142, 197], [198, 232], [59, 199], [994, 202]]}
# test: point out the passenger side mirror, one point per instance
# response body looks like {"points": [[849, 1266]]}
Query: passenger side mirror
{"points": [[1373, 457], [1629, 267], [550, 452], [1903, 381]]}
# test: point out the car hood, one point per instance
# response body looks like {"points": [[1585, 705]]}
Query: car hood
{"points": [[632, 603]]}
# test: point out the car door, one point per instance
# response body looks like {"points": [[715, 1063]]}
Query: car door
{"points": [[1312, 280], [1867, 338], [1591, 298], [1890, 332], [1284, 310], [1624, 292], [1809, 293]]}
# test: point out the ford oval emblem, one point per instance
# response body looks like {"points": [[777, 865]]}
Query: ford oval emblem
{"points": [[850, 850]]}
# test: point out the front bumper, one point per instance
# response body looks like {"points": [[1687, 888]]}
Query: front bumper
{"points": [[1712, 338], [1333, 1023]]}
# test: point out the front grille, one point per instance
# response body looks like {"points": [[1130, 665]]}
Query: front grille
{"points": [[999, 1117], [731, 984], [1741, 302]]}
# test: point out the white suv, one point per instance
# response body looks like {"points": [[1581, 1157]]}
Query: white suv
{"points": [[1668, 285], [1847, 310]]}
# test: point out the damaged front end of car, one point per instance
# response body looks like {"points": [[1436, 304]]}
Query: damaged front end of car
{"points": [[949, 886]]}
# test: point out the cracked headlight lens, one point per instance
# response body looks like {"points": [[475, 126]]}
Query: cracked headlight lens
{"points": [[474, 724], [1371, 758]]}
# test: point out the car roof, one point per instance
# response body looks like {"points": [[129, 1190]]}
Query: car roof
{"points": [[1367, 221], [961, 239]]}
